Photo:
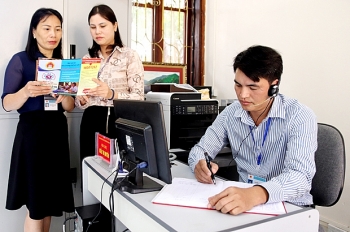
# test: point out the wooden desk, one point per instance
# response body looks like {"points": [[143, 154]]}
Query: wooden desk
{"points": [[137, 212]]}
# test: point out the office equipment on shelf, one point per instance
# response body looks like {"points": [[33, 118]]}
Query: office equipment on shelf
{"points": [[172, 87], [141, 138], [186, 116], [205, 87]]}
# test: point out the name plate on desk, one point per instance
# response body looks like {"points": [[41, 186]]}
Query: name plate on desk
{"points": [[105, 149]]}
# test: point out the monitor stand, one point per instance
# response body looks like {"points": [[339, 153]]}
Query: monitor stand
{"points": [[149, 185], [137, 183]]}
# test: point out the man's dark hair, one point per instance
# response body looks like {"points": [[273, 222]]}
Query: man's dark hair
{"points": [[259, 62], [107, 13]]}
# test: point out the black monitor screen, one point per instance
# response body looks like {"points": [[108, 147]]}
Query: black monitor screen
{"points": [[136, 140], [145, 113]]}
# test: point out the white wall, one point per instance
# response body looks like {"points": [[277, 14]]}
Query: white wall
{"points": [[15, 16], [313, 38], [77, 28]]}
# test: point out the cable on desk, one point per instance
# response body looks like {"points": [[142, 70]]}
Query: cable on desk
{"points": [[172, 156], [116, 185]]}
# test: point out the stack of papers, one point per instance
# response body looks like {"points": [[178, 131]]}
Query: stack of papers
{"points": [[191, 193]]}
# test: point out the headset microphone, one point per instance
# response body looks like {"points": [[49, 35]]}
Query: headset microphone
{"points": [[272, 92], [262, 102]]}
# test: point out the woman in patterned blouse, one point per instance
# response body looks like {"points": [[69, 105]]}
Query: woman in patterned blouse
{"points": [[121, 76]]}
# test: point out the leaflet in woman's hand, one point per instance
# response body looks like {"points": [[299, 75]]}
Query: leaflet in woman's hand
{"points": [[69, 76]]}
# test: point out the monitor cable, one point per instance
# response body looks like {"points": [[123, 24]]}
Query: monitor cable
{"points": [[111, 196], [116, 185], [99, 211], [172, 156], [67, 219]]}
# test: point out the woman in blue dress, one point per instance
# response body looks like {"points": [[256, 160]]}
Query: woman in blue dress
{"points": [[39, 170]]}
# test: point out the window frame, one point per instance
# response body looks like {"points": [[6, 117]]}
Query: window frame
{"points": [[194, 37]]}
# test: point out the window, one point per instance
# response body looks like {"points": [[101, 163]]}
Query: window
{"points": [[163, 31]]}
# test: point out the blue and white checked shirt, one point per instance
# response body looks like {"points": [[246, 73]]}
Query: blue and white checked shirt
{"points": [[287, 157]]}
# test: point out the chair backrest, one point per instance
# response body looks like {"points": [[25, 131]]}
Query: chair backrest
{"points": [[328, 182]]}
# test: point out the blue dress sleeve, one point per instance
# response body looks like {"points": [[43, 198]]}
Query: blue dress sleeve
{"points": [[13, 80], [20, 70]]}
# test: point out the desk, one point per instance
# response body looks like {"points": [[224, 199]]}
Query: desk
{"points": [[137, 212]]}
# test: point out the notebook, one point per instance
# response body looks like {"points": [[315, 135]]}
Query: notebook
{"points": [[191, 193]]}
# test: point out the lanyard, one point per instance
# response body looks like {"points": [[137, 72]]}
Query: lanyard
{"points": [[258, 160], [104, 65]]}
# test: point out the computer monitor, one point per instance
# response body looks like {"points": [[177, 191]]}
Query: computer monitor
{"points": [[143, 118]]}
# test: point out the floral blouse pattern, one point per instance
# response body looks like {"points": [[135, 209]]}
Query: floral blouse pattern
{"points": [[123, 72]]}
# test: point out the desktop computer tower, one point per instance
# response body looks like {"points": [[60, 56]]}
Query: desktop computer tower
{"points": [[85, 215]]}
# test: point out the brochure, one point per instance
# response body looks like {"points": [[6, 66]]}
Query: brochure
{"points": [[69, 76]]}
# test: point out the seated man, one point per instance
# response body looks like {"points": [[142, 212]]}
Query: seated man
{"points": [[273, 138]]}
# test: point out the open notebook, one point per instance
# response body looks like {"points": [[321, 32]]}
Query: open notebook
{"points": [[191, 193]]}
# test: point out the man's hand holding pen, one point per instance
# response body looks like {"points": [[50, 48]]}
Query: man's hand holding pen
{"points": [[203, 173], [208, 159]]}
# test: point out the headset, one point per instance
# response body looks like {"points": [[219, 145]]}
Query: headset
{"points": [[273, 91]]}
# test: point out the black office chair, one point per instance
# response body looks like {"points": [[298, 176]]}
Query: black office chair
{"points": [[328, 182]]}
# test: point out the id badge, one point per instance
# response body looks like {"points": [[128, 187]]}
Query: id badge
{"points": [[50, 103], [255, 179]]}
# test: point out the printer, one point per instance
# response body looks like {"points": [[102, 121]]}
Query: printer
{"points": [[186, 116]]}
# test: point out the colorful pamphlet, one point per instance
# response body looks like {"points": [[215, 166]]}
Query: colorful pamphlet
{"points": [[69, 76]]}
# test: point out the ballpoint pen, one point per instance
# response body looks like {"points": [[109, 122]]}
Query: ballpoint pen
{"points": [[209, 166]]}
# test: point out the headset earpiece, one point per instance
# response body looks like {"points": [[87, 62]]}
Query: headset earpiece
{"points": [[273, 91]]}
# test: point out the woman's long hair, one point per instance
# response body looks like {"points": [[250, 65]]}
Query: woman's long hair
{"points": [[107, 13], [32, 45]]}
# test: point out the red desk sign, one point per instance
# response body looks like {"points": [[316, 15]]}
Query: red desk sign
{"points": [[104, 147]]}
